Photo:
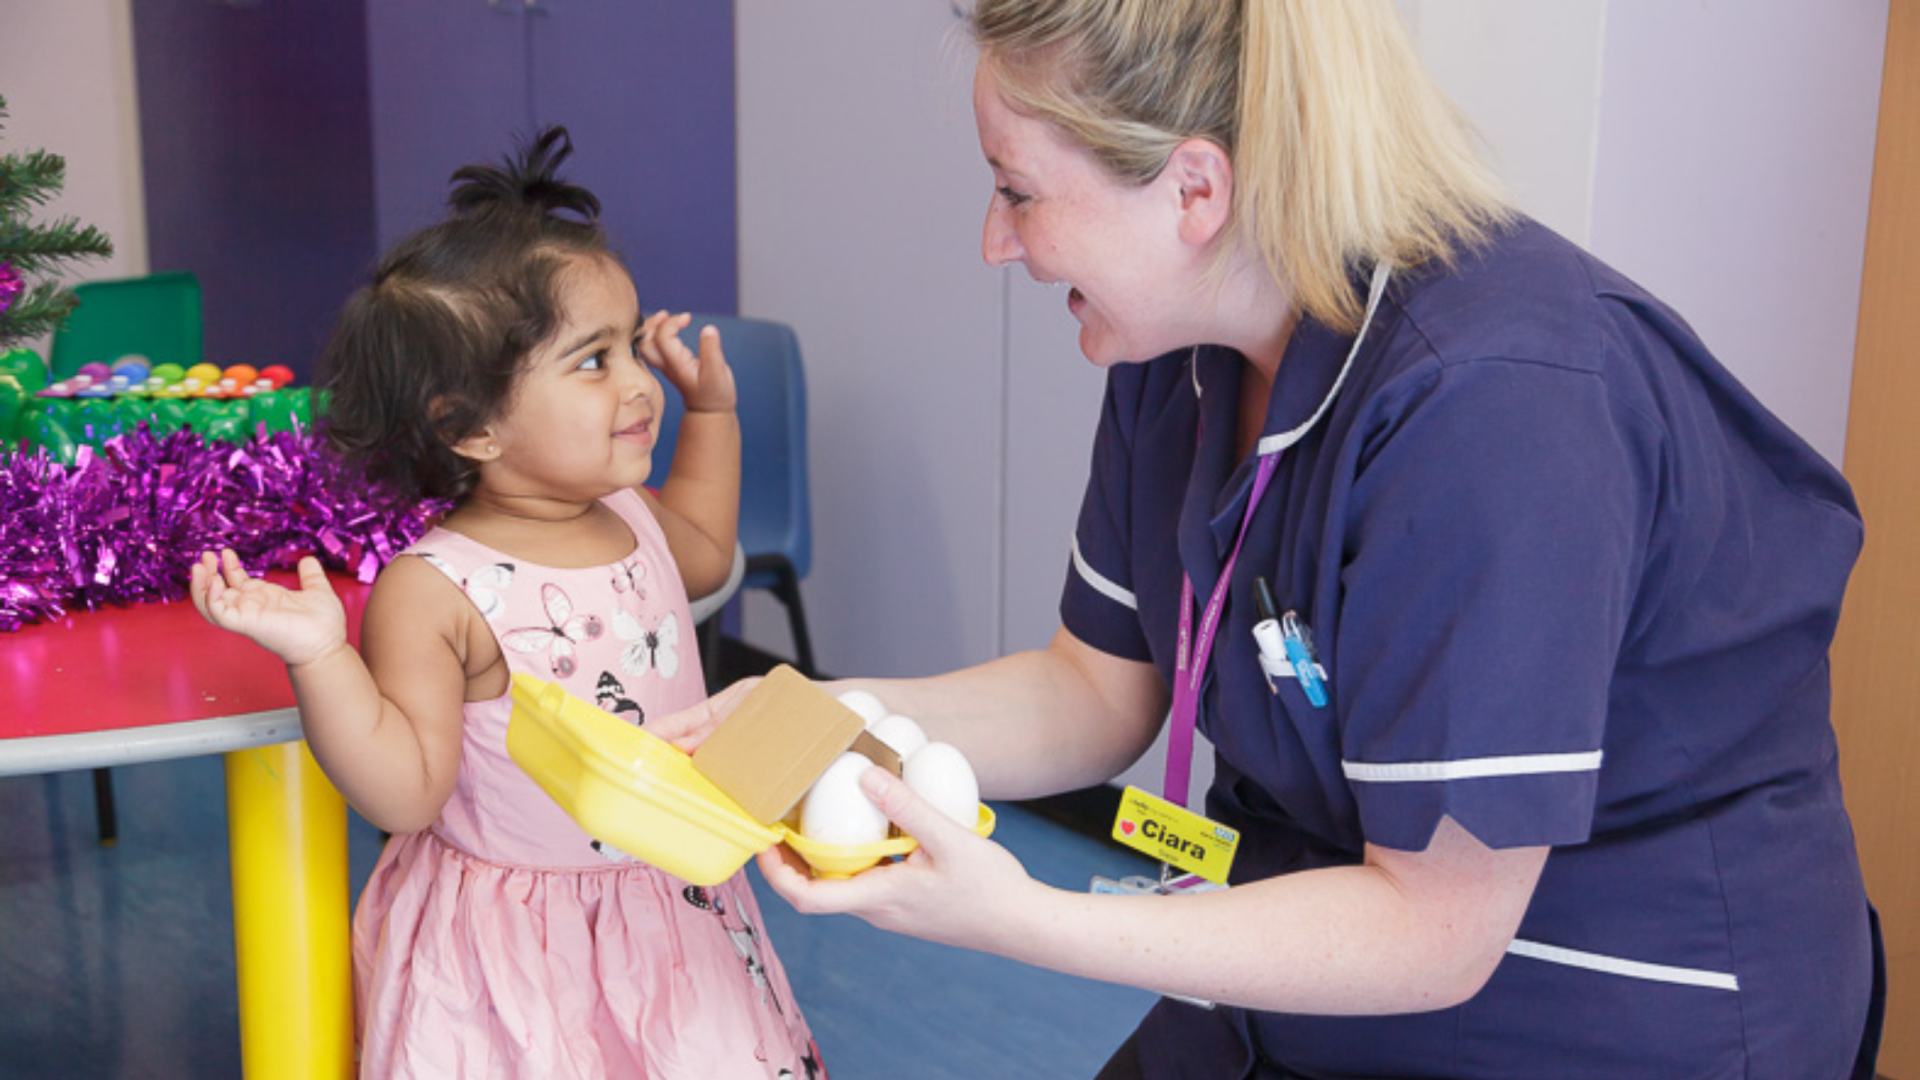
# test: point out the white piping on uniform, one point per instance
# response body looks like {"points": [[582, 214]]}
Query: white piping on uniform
{"points": [[1273, 444], [1105, 587], [1401, 772], [1632, 969]]}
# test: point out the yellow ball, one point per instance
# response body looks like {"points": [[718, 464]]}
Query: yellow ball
{"points": [[206, 373]]}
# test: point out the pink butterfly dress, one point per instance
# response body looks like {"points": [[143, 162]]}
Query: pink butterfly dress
{"points": [[503, 941]]}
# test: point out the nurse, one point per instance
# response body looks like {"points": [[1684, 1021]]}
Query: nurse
{"points": [[1504, 606]]}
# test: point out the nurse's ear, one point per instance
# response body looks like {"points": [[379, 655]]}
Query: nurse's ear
{"points": [[1202, 177]]}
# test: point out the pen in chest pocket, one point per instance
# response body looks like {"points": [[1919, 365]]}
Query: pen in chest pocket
{"points": [[1286, 646]]}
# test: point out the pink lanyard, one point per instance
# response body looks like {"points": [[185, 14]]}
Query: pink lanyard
{"points": [[1190, 662], [1190, 669]]}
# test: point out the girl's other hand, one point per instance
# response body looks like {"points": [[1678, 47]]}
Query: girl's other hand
{"points": [[689, 727], [705, 381], [298, 627], [955, 888]]}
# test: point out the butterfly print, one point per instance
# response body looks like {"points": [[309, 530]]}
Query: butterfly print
{"points": [[746, 942], [612, 854], [658, 648], [564, 629], [628, 577], [483, 588], [612, 697], [743, 934]]}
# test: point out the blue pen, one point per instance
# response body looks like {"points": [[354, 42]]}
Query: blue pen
{"points": [[1299, 645]]}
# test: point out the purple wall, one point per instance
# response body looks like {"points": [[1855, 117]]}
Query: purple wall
{"points": [[645, 87], [285, 145], [253, 126]]}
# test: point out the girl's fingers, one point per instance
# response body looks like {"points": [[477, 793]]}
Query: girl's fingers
{"points": [[235, 573], [312, 577]]}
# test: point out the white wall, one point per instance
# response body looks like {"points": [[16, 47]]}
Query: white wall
{"points": [[1527, 75], [952, 412], [861, 188], [66, 71], [1735, 156]]}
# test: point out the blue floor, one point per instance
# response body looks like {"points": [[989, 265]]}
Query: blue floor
{"points": [[118, 961]]}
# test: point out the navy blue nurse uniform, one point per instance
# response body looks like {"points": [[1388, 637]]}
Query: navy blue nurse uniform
{"points": [[1572, 586]]}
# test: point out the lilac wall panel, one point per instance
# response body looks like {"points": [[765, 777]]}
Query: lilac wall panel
{"points": [[645, 87], [448, 86], [257, 161]]}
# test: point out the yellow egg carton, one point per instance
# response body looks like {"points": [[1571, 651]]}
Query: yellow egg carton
{"points": [[846, 860], [629, 787], [699, 817]]}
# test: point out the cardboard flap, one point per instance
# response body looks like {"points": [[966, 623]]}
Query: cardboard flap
{"points": [[877, 752], [777, 742]]}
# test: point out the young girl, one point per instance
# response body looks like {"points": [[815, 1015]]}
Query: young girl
{"points": [[499, 358]]}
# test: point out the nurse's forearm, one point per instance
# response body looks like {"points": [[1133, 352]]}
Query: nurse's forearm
{"points": [[1036, 722], [1358, 940]]}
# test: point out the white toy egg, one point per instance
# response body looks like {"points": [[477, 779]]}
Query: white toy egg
{"points": [[866, 705], [902, 734], [940, 774], [836, 811]]}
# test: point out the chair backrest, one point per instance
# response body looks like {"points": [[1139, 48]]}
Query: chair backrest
{"points": [[157, 316], [774, 502]]}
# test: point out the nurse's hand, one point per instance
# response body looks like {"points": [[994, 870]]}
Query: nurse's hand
{"points": [[956, 888]]}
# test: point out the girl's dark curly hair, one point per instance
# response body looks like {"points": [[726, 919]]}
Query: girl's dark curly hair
{"points": [[428, 352]]}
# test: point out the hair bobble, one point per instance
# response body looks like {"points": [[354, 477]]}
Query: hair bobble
{"points": [[528, 180]]}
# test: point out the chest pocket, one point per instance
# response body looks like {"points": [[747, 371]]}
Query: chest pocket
{"points": [[1283, 745]]}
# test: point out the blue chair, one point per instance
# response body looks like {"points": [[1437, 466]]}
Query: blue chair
{"points": [[776, 532]]}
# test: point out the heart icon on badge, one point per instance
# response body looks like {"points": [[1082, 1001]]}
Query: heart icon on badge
{"points": [[1126, 828]]}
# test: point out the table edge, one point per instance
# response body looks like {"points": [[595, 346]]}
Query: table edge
{"points": [[34, 754]]}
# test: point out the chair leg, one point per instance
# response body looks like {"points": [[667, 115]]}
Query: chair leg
{"points": [[787, 588], [707, 634], [103, 806]]}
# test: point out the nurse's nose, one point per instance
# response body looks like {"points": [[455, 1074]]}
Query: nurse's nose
{"points": [[999, 242]]}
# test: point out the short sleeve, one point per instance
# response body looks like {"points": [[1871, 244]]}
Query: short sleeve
{"points": [[1099, 603], [1492, 546]]}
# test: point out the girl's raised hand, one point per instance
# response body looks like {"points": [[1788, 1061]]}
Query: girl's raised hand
{"points": [[297, 626], [705, 381]]}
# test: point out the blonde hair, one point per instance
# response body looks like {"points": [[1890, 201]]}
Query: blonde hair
{"points": [[1345, 152]]}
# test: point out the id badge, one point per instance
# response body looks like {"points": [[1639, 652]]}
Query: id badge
{"points": [[1173, 834]]}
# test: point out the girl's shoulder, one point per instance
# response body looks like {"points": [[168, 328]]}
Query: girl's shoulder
{"points": [[418, 619], [420, 589]]}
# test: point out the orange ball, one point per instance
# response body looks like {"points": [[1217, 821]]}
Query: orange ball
{"points": [[241, 374]]}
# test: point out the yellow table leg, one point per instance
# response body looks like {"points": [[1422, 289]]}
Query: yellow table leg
{"points": [[288, 839]]}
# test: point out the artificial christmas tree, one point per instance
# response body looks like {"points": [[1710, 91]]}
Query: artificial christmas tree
{"points": [[32, 303]]}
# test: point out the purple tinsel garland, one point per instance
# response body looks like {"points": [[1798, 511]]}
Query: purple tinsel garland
{"points": [[124, 524]]}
